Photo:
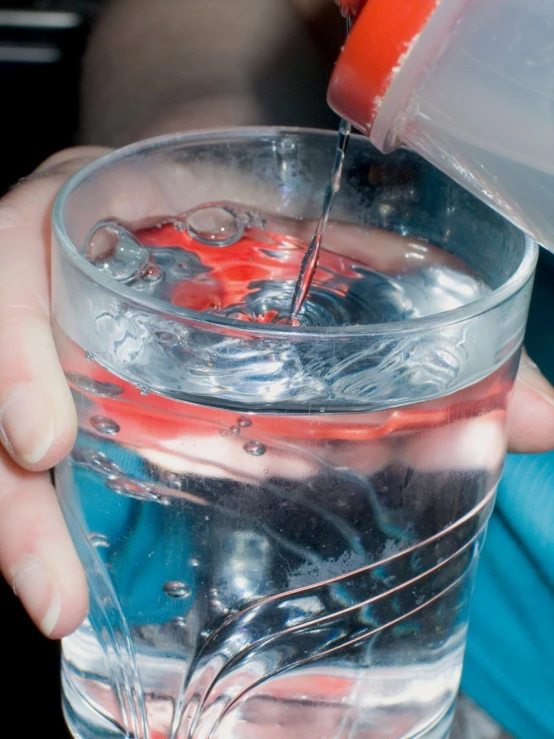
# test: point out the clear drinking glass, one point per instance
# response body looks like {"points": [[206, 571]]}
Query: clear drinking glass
{"points": [[280, 524]]}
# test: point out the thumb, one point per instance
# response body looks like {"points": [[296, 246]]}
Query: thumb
{"points": [[531, 410]]}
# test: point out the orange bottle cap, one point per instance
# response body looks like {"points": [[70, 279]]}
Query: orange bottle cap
{"points": [[377, 47]]}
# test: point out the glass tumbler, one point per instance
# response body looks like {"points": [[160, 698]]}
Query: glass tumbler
{"points": [[280, 523]]}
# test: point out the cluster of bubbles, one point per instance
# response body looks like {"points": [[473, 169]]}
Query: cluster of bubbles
{"points": [[115, 479], [116, 252]]}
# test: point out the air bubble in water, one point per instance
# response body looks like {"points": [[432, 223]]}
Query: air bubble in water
{"points": [[89, 356], [136, 489], [105, 425], [88, 385], [166, 338], [194, 562], [143, 389], [178, 224], [255, 448], [116, 252], [96, 461], [215, 225], [99, 541], [176, 589], [386, 210], [235, 430], [244, 422], [152, 273]]}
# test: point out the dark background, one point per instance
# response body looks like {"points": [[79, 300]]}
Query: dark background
{"points": [[41, 45]]}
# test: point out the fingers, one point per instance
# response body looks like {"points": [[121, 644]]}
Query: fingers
{"points": [[37, 418], [531, 411], [36, 554]]}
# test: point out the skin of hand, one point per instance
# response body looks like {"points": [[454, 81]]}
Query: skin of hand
{"points": [[37, 416]]}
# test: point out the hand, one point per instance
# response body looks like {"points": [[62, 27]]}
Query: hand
{"points": [[37, 417]]}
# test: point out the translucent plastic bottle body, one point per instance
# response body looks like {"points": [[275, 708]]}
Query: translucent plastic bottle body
{"points": [[471, 91]]}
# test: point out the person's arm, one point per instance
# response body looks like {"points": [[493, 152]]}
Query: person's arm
{"points": [[160, 67]]}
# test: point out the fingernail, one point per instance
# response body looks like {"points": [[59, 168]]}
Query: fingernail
{"points": [[530, 375], [26, 425], [37, 590]]}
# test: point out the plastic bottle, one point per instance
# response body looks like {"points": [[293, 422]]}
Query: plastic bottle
{"points": [[467, 84]]}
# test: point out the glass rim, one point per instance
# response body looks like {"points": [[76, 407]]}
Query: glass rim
{"points": [[155, 305]]}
